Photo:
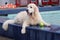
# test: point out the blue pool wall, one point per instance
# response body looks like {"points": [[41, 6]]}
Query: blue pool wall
{"points": [[9, 33], [16, 10], [35, 33]]}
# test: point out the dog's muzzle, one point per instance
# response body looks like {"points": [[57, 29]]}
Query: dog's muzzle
{"points": [[28, 12]]}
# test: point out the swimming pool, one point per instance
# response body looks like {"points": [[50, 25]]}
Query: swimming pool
{"points": [[52, 17]]}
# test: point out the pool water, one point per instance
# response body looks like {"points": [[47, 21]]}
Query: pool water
{"points": [[52, 17]]}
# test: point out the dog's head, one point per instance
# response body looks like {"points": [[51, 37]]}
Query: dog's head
{"points": [[32, 8]]}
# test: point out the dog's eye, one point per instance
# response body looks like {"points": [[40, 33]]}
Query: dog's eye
{"points": [[30, 7]]}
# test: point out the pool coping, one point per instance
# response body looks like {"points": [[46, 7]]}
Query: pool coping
{"points": [[16, 10]]}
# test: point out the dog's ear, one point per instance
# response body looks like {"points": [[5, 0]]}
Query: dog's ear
{"points": [[36, 9]]}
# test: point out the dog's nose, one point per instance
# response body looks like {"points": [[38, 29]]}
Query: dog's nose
{"points": [[27, 10]]}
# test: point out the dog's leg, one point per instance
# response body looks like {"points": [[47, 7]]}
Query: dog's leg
{"points": [[23, 31], [5, 24], [47, 24]]}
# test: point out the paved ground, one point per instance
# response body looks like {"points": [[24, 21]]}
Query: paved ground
{"points": [[4, 38]]}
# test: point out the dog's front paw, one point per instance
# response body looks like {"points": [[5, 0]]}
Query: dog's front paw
{"points": [[5, 28], [23, 31]]}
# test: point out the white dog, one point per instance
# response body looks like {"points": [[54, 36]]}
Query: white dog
{"points": [[29, 17]]}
